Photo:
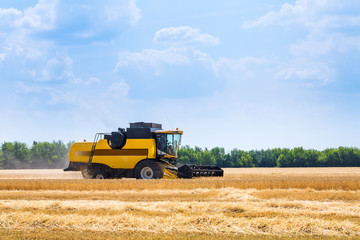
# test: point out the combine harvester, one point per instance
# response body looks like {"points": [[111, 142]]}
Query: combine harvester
{"points": [[143, 151]]}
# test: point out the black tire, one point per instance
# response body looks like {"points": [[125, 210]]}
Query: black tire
{"points": [[148, 169], [100, 175], [85, 173]]}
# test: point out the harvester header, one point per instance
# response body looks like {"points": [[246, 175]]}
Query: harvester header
{"points": [[144, 151]]}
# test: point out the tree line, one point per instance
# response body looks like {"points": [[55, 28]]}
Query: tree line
{"points": [[276, 157], [16, 155], [55, 155]]}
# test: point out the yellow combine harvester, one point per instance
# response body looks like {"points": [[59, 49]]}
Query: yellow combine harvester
{"points": [[143, 151]]}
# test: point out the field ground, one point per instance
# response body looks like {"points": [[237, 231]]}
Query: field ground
{"points": [[274, 203]]}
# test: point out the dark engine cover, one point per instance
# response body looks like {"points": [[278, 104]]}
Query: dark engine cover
{"points": [[117, 140]]}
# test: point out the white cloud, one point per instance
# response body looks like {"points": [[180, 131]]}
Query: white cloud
{"points": [[302, 12], [53, 95], [40, 57], [184, 34], [70, 76], [40, 17], [38, 60], [336, 22], [314, 14], [114, 10], [205, 59], [317, 73], [320, 44], [92, 80], [9, 12], [134, 12], [8, 17], [226, 65], [328, 23], [2, 58], [48, 63], [250, 95], [119, 89], [240, 64], [34, 58], [221, 67], [311, 47], [53, 68], [153, 58]]}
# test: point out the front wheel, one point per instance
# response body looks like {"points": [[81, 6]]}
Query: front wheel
{"points": [[85, 173], [148, 169]]}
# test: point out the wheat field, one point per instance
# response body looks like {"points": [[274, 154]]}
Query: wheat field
{"points": [[319, 203]]}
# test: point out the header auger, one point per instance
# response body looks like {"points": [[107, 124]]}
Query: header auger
{"points": [[142, 151]]}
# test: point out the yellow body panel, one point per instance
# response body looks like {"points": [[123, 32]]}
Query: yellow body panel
{"points": [[134, 151]]}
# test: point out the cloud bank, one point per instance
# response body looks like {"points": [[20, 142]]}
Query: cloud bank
{"points": [[184, 35]]}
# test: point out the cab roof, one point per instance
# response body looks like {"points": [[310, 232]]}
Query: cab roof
{"points": [[169, 131]]}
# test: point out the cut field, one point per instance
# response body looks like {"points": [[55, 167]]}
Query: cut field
{"points": [[319, 203]]}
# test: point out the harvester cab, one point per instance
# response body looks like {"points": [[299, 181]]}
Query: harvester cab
{"points": [[168, 144], [143, 151]]}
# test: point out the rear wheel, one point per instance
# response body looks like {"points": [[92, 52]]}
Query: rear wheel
{"points": [[100, 175], [148, 169]]}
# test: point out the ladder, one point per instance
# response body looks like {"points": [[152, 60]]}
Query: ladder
{"points": [[98, 136]]}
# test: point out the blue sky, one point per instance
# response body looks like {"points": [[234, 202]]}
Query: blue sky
{"points": [[239, 74]]}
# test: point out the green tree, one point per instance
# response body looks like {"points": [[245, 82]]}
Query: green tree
{"points": [[2, 159], [15, 155], [299, 157], [49, 155], [280, 157], [285, 159], [312, 158], [219, 155], [246, 161], [189, 155], [269, 159], [235, 158], [330, 158], [349, 156], [282, 161], [207, 158]]}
